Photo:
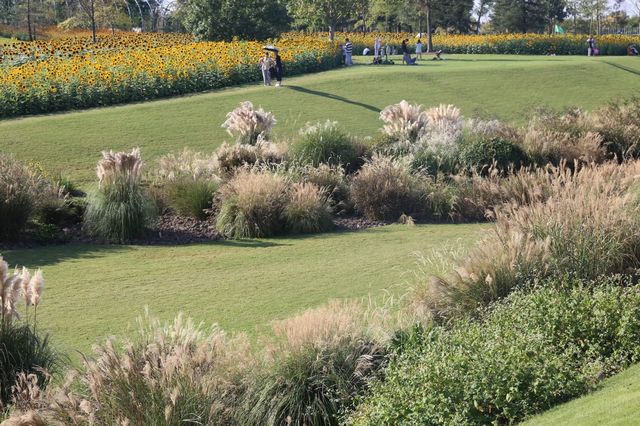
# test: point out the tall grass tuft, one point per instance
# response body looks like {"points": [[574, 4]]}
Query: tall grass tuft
{"points": [[22, 348], [404, 121], [249, 125], [228, 158], [386, 188], [307, 209], [322, 360], [18, 196], [324, 143], [252, 205], [171, 374], [119, 209], [588, 226]]}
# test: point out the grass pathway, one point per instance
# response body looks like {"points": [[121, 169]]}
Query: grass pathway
{"points": [[94, 291], [502, 86]]}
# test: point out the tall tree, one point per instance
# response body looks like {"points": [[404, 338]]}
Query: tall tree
{"points": [[330, 13], [483, 7], [520, 16]]}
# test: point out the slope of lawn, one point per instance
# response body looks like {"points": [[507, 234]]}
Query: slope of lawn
{"points": [[497, 86], [616, 403], [94, 291]]}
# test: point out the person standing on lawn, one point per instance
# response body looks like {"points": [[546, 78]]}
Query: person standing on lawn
{"points": [[591, 46], [266, 63], [348, 48], [279, 69], [377, 46], [419, 49]]}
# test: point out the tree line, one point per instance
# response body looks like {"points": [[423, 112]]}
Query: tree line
{"points": [[260, 19]]}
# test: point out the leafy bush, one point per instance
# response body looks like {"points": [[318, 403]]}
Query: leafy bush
{"points": [[170, 374], [323, 359], [252, 205], [119, 210], [191, 197], [525, 355], [480, 153], [385, 188], [307, 209], [18, 196], [588, 225], [324, 143]]}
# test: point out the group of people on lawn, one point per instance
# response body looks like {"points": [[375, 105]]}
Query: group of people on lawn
{"points": [[271, 68], [381, 53]]}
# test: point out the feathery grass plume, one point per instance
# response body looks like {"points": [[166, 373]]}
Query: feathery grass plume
{"points": [[171, 373], [119, 210], [320, 362], [385, 188], [119, 165], [187, 163], [331, 179], [249, 125], [324, 143], [444, 116], [252, 204], [307, 210], [403, 121], [586, 227]]}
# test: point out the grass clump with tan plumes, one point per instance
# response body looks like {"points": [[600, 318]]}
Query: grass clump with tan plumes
{"points": [[249, 125], [307, 210], [320, 362], [228, 158], [171, 373], [119, 210], [587, 227], [23, 350], [252, 204]]}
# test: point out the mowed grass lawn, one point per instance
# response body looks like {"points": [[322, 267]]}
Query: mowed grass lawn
{"points": [[617, 403], [496, 86], [94, 291]]}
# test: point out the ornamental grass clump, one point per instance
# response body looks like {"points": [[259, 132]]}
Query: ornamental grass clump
{"points": [[307, 209], [22, 348], [252, 204], [119, 209], [325, 143], [249, 125], [588, 226], [320, 362], [404, 122], [228, 158], [171, 374], [385, 188], [19, 192], [331, 179]]}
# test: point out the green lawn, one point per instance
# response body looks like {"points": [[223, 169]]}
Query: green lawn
{"points": [[502, 86], [93, 291], [616, 403]]}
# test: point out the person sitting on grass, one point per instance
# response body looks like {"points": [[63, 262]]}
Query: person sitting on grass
{"points": [[406, 57], [632, 50], [437, 55]]}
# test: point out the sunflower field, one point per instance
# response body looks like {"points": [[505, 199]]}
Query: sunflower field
{"points": [[73, 73], [512, 44]]}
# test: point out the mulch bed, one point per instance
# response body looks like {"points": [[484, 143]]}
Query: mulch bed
{"points": [[171, 229]]}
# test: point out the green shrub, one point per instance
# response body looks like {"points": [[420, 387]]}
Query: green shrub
{"points": [[524, 356], [324, 143], [18, 196], [191, 197], [307, 209], [385, 188], [252, 205], [119, 209], [323, 361], [480, 153]]}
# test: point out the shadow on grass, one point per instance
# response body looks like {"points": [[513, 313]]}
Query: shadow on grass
{"points": [[51, 255], [248, 243], [620, 67], [333, 97]]}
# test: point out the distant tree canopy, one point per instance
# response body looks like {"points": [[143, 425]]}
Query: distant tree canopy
{"points": [[225, 19]]}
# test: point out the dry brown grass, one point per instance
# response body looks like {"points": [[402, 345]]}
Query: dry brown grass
{"points": [[587, 225]]}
